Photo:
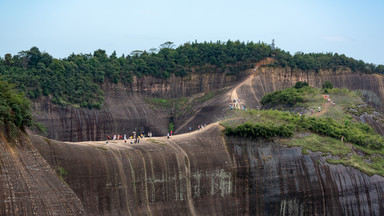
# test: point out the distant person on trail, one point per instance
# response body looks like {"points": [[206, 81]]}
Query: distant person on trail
{"points": [[190, 129], [168, 135], [171, 132], [342, 139]]}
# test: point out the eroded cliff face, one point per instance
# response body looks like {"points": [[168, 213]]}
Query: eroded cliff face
{"points": [[28, 184], [266, 79], [185, 175], [125, 109], [206, 173], [282, 181]]}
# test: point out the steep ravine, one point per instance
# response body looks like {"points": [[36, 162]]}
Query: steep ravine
{"points": [[125, 109], [207, 173]]}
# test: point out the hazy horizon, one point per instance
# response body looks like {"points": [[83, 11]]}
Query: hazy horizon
{"points": [[352, 27]]}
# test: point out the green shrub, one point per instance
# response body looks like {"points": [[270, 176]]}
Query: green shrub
{"points": [[260, 131], [289, 96], [327, 85], [14, 107], [300, 85], [358, 133]]}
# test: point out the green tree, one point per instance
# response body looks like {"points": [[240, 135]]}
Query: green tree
{"points": [[14, 107], [327, 85], [300, 85]]}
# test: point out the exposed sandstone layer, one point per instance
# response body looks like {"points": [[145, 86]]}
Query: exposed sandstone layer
{"points": [[206, 173], [124, 108], [29, 186], [266, 79]]}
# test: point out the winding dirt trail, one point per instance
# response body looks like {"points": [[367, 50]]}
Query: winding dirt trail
{"points": [[325, 109], [234, 95]]}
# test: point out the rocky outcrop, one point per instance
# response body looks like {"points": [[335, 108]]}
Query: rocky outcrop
{"points": [[28, 184], [206, 173], [125, 109]]}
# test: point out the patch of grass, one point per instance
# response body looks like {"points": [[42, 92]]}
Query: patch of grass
{"points": [[312, 101], [61, 172], [316, 143], [344, 97], [207, 96], [100, 147], [304, 151], [371, 165], [335, 113], [156, 141], [167, 102], [271, 117], [369, 151]]}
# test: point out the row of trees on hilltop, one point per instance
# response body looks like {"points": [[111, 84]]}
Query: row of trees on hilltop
{"points": [[329, 61], [76, 79]]}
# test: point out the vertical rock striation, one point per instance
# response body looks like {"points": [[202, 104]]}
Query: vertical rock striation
{"points": [[206, 173], [28, 185], [282, 181]]}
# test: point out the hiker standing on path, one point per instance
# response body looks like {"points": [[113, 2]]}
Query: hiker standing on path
{"points": [[342, 139]]}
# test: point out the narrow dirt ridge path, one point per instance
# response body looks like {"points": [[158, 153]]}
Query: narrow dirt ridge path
{"points": [[326, 107], [233, 93]]}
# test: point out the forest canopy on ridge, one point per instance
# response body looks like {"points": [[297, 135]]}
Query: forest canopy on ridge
{"points": [[76, 79]]}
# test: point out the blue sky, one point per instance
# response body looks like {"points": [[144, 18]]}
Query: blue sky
{"points": [[352, 27]]}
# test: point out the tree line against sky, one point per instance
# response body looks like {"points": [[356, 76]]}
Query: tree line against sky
{"points": [[76, 79]]}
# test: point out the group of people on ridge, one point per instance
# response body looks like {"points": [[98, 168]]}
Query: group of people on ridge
{"points": [[132, 139]]}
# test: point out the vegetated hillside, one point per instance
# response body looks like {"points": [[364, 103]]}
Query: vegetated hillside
{"points": [[320, 121], [77, 79], [123, 88], [127, 107], [206, 172], [264, 162], [28, 185]]}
